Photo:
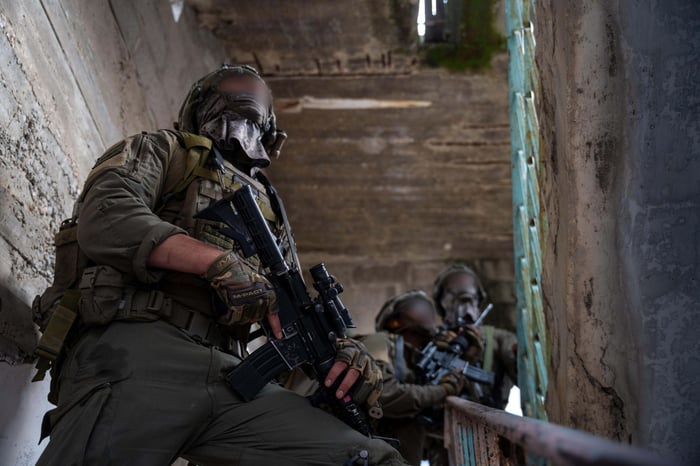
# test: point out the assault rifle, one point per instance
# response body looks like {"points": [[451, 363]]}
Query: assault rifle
{"points": [[436, 362], [310, 326]]}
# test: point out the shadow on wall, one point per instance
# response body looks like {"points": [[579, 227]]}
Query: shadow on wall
{"points": [[18, 336], [22, 404]]}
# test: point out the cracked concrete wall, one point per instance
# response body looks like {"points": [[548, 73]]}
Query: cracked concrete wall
{"points": [[75, 76], [619, 106]]}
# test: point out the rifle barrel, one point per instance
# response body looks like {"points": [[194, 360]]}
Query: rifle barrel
{"points": [[483, 315]]}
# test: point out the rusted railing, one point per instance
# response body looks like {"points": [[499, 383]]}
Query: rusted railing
{"points": [[476, 435], [529, 220]]}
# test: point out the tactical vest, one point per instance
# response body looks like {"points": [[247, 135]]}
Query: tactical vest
{"points": [[192, 186], [193, 181]]}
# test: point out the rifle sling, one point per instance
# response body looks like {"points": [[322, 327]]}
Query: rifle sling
{"points": [[399, 363], [488, 350], [278, 208]]}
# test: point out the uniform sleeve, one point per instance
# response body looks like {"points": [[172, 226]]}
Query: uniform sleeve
{"points": [[398, 399], [505, 355], [405, 400], [117, 225]]}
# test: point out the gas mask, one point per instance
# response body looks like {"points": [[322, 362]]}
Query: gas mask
{"points": [[236, 124], [233, 107], [458, 292], [461, 307]]}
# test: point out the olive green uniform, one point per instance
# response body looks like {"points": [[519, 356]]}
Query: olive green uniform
{"points": [[500, 358], [143, 384], [402, 400]]}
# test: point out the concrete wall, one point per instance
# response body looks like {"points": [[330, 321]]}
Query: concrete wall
{"points": [[75, 76], [368, 284], [386, 197], [315, 37], [620, 106]]}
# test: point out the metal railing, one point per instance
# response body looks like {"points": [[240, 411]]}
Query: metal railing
{"points": [[476, 435], [529, 222]]}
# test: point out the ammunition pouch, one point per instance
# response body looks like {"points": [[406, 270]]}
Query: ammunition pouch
{"points": [[101, 294], [51, 347], [56, 310], [70, 263]]}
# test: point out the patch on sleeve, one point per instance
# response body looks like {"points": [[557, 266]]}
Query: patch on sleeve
{"points": [[115, 156]]}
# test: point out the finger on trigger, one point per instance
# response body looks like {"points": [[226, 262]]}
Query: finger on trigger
{"points": [[275, 325], [349, 380], [335, 371]]}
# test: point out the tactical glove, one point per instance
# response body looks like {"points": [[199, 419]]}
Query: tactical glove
{"points": [[248, 296], [453, 383], [475, 347], [443, 339], [468, 339], [369, 386]]}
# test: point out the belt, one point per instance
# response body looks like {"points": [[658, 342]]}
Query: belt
{"points": [[200, 327], [148, 305]]}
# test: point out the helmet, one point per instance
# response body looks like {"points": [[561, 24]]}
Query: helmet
{"points": [[439, 285], [187, 117], [395, 306]]}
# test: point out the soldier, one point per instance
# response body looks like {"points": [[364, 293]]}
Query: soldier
{"points": [[458, 295], [165, 303], [404, 325]]}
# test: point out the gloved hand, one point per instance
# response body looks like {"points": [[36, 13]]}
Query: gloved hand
{"points": [[362, 372], [453, 383], [475, 347], [443, 339], [468, 338], [248, 295]]}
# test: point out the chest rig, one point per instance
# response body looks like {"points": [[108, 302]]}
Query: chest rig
{"points": [[195, 182], [202, 177]]}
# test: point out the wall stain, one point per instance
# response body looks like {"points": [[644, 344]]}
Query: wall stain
{"points": [[602, 152], [612, 46], [588, 295]]}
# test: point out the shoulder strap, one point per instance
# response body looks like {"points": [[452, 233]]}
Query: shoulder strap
{"points": [[488, 350], [399, 360], [191, 140], [198, 148], [278, 208], [200, 153]]}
